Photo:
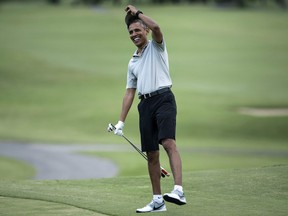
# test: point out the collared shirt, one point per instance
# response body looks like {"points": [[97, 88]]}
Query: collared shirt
{"points": [[149, 70]]}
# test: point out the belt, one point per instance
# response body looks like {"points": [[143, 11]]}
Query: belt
{"points": [[160, 91]]}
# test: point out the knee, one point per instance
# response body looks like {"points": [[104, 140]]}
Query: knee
{"points": [[153, 157], [169, 145]]}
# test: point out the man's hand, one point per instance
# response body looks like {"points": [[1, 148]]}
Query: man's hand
{"points": [[131, 9], [118, 129]]}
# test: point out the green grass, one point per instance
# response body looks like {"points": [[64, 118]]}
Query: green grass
{"points": [[63, 72], [132, 164], [19, 206], [14, 169], [260, 191]]}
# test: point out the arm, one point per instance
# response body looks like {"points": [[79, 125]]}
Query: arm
{"points": [[151, 24], [127, 103]]}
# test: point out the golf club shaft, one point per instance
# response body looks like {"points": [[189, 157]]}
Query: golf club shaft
{"points": [[135, 147], [163, 171]]}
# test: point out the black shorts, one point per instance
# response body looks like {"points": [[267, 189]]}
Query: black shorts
{"points": [[157, 120]]}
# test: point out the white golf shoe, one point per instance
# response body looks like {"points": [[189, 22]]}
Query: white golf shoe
{"points": [[153, 206], [176, 197]]}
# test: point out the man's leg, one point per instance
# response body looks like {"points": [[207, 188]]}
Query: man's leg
{"points": [[157, 204], [174, 159], [154, 171], [177, 195]]}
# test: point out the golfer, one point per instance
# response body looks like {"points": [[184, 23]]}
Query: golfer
{"points": [[148, 73]]}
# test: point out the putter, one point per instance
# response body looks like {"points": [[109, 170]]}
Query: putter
{"points": [[163, 171]]}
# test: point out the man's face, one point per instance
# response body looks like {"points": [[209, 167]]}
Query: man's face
{"points": [[138, 34]]}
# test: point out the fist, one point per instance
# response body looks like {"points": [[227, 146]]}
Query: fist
{"points": [[118, 128], [131, 9]]}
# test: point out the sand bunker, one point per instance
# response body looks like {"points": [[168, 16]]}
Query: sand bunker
{"points": [[263, 112]]}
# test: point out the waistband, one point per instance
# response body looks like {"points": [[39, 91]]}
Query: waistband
{"points": [[148, 95]]}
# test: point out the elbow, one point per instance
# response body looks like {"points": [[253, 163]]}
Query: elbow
{"points": [[130, 93], [155, 28]]}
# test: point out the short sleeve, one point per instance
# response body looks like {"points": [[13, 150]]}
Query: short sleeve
{"points": [[131, 80]]}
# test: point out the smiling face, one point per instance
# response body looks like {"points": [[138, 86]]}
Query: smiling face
{"points": [[138, 34]]}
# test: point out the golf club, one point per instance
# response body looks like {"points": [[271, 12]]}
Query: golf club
{"points": [[163, 171]]}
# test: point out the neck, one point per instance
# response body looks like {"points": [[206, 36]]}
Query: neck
{"points": [[140, 48]]}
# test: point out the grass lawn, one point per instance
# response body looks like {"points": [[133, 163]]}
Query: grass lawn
{"points": [[132, 164], [62, 78], [259, 191], [63, 72], [13, 169]]}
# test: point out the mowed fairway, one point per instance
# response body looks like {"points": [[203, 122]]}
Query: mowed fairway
{"points": [[261, 191], [62, 78]]}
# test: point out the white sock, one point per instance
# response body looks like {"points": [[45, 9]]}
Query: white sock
{"points": [[158, 198], [178, 187]]}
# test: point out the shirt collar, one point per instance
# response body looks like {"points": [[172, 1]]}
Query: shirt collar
{"points": [[139, 55]]}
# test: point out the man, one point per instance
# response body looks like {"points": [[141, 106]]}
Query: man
{"points": [[148, 72]]}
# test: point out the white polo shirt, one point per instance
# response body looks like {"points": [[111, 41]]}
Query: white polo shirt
{"points": [[149, 71]]}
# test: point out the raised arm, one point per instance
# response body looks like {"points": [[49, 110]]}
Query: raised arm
{"points": [[151, 24]]}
